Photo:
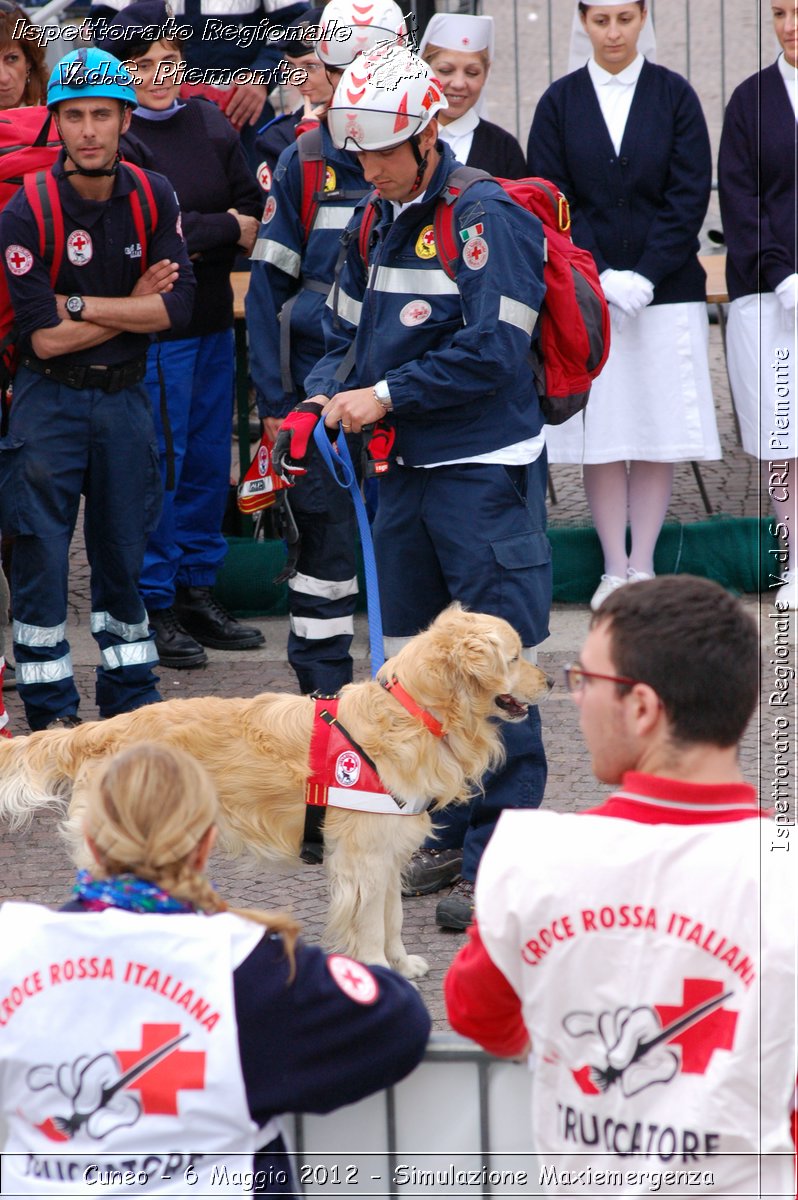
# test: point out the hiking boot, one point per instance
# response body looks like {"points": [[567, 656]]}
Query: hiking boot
{"points": [[212, 625], [456, 911], [430, 870], [175, 647], [67, 722]]}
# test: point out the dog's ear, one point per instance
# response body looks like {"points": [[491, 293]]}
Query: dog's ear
{"points": [[480, 658]]}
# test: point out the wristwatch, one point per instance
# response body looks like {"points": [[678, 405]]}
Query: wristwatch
{"points": [[75, 306], [382, 395]]}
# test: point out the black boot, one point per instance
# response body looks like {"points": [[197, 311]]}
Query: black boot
{"points": [[212, 625], [175, 647]]}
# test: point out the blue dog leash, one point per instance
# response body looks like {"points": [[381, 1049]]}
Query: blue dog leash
{"points": [[343, 472]]}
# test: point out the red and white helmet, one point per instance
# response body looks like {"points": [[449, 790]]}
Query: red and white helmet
{"points": [[382, 99], [353, 27]]}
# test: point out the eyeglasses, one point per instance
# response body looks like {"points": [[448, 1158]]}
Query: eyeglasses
{"points": [[575, 676]]}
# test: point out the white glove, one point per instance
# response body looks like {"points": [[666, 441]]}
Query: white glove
{"points": [[642, 293], [627, 290], [787, 292]]}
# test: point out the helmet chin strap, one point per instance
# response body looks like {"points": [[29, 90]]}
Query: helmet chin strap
{"points": [[421, 163], [94, 172]]}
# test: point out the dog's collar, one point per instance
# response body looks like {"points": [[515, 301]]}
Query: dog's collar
{"points": [[409, 704]]}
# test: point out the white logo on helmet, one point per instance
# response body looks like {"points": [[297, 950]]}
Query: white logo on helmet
{"points": [[79, 248], [395, 66]]}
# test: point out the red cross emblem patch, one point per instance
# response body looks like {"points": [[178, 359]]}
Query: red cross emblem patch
{"points": [[19, 260], [416, 312], [475, 253], [347, 768], [79, 248], [264, 460], [354, 980]]}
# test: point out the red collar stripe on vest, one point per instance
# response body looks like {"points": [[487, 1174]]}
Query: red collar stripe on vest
{"points": [[407, 702]]}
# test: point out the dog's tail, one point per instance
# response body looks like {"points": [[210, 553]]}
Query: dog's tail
{"points": [[34, 773]]}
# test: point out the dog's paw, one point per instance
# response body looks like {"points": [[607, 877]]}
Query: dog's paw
{"points": [[412, 966]]}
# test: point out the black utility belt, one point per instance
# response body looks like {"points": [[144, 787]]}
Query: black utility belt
{"points": [[108, 379]]}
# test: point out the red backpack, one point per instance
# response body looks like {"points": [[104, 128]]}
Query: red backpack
{"points": [[29, 145], [574, 322]]}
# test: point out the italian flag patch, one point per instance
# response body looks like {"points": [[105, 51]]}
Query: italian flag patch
{"points": [[472, 232]]}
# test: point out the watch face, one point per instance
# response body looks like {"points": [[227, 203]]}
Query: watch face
{"points": [[74, 304]]}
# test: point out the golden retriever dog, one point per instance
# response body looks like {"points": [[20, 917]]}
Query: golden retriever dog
{"points": [[466, 670]]}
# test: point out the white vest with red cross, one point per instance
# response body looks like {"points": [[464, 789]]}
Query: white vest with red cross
{"points": [[119, 1057], [655, 965]]}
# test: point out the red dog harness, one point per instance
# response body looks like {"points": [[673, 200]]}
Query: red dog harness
{"points": [[341, 773]]}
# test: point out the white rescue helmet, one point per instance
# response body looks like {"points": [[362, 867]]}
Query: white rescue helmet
{"points": [[384, 99], [368, 22]]}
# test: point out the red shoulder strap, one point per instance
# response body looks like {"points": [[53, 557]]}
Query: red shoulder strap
{"points": [[143, 209], [41, 192], [446, 246], [314, 169], [366, 226]]}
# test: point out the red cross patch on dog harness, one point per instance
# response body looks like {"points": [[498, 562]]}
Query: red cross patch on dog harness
{"points": [[341, 774]]}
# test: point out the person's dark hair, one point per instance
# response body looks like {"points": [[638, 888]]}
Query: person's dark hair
{"points": [[135, 45], [36, 83], [641, 4], [139, 26], [695, 645]]}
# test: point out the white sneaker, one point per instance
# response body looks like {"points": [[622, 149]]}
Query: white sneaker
{"points": [[633, 576], [786, 597], [609, 583]]}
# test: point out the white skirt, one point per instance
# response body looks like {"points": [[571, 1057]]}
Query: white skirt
{"points": [[760, 350], [653, 400]]}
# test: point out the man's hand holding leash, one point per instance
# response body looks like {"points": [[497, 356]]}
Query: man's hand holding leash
{"points": [[354, 410]]}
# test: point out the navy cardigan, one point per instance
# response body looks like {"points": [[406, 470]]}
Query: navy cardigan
{"points": [[640, 210], [757, 169], [494, 149]]}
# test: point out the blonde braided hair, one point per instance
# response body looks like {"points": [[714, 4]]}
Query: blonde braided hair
{"points": [[147, 810]]}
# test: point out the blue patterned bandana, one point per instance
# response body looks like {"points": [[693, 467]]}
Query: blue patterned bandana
{"points": [[127, 892]]}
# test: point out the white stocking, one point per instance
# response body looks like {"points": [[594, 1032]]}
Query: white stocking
{"points": [[606, 488], [650, 487]]}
